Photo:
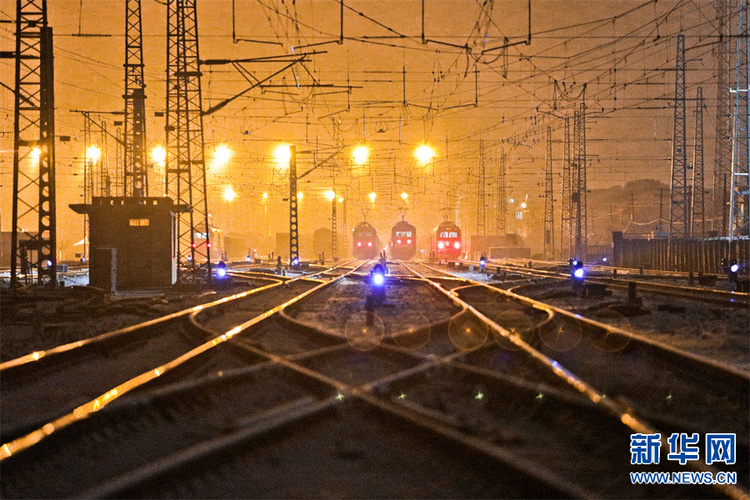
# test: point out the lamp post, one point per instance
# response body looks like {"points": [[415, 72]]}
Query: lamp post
{"points": [[293, 206]]}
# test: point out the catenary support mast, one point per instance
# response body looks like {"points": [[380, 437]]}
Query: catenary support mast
{"points": [[678, 223], [739, 216], [549, 223], [185, 165], [698, 212], [135, 172], [33, 237]]}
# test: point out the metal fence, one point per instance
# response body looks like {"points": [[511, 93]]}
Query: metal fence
{"points": [[685, 254]]}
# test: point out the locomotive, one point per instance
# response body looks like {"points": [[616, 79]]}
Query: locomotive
{"points": [[365, 241], [403, 241], [448, 244], [218, 249]]}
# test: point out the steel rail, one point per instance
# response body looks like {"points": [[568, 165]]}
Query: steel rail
{"points": [[363, 392], [725, 297], [38, 355], [699, 360], [83, 411], [302, 407], [611, 406]]}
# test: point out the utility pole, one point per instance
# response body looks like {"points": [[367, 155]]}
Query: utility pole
{"points": [[135, 172], [698, 212], [678, 226], [549, 223], [739, 209], [185, 165], [723, 147], [33, 237]]}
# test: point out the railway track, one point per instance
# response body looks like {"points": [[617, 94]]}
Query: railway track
{"points": [[387, 394], [32, 383], [604, 276], [708, 323]]}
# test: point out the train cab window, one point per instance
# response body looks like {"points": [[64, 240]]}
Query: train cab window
{"points": [[139, 222]]}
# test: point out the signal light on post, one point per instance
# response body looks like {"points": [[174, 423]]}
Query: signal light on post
{"points": [[577, 270], [377, 284], [734, 270]]}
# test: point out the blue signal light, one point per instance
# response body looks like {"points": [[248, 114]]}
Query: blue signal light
{"points": [[578, 273], [221, 272], [377, 276], [734, 268], [295, 262]]}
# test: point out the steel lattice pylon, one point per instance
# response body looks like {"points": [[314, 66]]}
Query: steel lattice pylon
{"points": [[33, 238], [482, 193], [723, 140], [739, 218], [566, 229], [678, 216], [185, 165], [698, 212], [549, 229], [135, 173], [501, 219], [580, 188]]}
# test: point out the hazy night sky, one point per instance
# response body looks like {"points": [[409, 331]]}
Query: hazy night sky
{"points": [[450, 92]]}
